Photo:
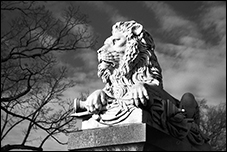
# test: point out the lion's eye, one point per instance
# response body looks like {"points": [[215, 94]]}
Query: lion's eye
{"points": [[114, 40]]}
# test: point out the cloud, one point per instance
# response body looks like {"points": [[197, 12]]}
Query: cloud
{"points": [[82, 65], [214, 19], [89, 57], [85, 75], [112, 12], [78, 22], [87, 87], [169, 19], [193, 64], [198, 73]]}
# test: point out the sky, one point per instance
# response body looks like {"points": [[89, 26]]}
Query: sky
{"points": [[190, 39]]}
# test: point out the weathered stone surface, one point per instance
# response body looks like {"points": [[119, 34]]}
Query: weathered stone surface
{"points": [[106, 136], [130, 137]]}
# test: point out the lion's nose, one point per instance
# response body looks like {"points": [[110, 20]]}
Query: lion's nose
{"points": [[103, 48], [99, 50]]}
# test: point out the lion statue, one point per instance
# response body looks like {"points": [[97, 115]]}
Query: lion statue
{"points": [[126, 62], [133, 80]]}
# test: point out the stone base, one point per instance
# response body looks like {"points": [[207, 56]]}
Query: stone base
{"points": [[130, 137], [137, 116]]}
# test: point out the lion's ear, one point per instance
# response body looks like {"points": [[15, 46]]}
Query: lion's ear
{"points": [[137, 29]]}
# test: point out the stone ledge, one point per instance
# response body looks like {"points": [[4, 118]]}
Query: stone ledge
{"points": [[106, 136], [133, 136]]}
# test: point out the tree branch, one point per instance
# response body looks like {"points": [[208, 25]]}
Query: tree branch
{"points": [[8, 99], [16, 146]]}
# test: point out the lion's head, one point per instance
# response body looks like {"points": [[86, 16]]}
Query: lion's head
{"points": [[129, 54]]}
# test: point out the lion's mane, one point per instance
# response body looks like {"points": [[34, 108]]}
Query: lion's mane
{"points": [[140, 64]]}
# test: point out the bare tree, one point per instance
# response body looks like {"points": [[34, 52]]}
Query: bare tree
{"points": [[32, 81], [213, 124]]}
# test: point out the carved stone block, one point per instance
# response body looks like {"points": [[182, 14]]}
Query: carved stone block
{"points": [[130, 137]]}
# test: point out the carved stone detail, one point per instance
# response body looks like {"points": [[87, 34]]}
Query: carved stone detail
{"points": [[134, 88]]}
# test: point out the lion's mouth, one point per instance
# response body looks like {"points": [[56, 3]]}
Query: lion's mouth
{"points": [[107, 62], [103, 68]]}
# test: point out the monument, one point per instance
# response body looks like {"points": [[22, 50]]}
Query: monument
{"points": [[133, 111]]}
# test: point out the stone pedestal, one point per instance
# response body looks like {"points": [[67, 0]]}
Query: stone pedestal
{"points": [[130, 137], [136, 116]]}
